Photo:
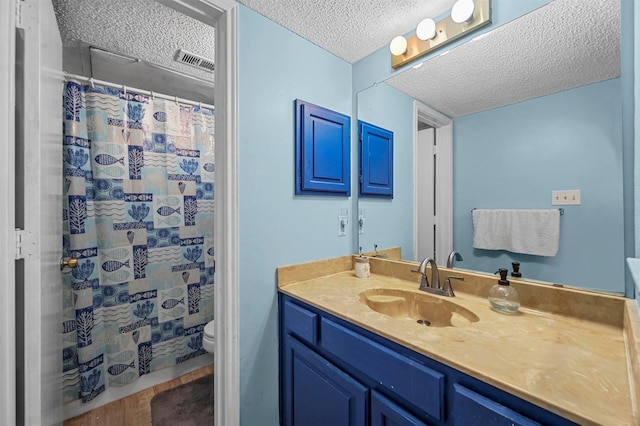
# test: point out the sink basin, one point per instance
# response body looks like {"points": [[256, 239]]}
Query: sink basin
{"points": [[421, 307]]}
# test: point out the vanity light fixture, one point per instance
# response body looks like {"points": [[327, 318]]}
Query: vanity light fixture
{"points": [[466, 16], [398, 45], [426, 29], [462, 11]]}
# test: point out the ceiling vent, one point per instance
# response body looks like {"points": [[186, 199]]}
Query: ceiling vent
{"points": [[194, 60]]}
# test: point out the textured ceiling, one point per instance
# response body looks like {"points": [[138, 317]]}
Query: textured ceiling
{"points": [[350, 29], [562, 45], [565, 44], [142, 29]]}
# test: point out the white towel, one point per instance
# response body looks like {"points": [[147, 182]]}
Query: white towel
{"points": [[520, 231]]}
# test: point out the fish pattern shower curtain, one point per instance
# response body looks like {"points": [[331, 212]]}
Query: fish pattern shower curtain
{"points": [[138, 215]]}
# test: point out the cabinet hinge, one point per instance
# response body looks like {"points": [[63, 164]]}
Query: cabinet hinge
{"points": [[26, 244]]}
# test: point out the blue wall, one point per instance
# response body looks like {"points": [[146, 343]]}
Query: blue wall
{"points": [[514, 156], [276, 227], [630, 70], [389, 223], [633, 29]]}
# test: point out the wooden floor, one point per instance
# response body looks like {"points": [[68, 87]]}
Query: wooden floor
{"points": [[135, 409]]}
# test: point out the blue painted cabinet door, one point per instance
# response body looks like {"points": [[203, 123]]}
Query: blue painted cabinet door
{"points": [[376, 161], [473, 409], [385, 412], [323, 152], [318, 393]]}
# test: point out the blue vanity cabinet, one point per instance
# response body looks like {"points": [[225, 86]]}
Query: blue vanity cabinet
{"points": [[333, 372]]}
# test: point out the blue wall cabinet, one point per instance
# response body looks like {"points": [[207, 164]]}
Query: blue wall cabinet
{"points": [[323, 154], [333, 372], [376, 161]]}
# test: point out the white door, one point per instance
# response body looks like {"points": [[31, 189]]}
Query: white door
{"points": [[7, 215], [444, 193], [425, 194], [39, 147], [433, 189]]}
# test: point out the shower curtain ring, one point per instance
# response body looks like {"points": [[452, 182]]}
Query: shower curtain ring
{"points": [[176, 100], [124, 89], [92, 83]]}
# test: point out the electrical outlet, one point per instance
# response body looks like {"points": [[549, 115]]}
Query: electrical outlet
{"points": [[565, 198]]}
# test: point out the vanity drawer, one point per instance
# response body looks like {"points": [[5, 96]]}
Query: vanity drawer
{"points": [[301, 322], [399, 374], [471, 408]]}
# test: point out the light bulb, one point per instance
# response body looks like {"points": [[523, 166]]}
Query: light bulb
{"points": [[398, 45], [462, 11], [426, 29]]}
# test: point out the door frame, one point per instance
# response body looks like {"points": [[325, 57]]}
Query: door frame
{"points": [[444, 178], [7, 214], [226, 292], [223, 16]]}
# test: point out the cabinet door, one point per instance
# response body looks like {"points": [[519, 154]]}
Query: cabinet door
{"points": [[323, 151], [385, 412], [376, 161], [318, 393], [471, 408]]}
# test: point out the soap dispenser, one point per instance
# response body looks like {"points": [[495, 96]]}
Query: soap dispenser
{"points": [[502, 296], [516, 270]]}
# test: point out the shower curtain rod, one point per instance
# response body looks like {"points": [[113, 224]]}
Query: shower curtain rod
{"points": [[92, 81]]}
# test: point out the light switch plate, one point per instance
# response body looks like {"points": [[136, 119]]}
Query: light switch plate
{"points": [[565, 198], [343, 221]]}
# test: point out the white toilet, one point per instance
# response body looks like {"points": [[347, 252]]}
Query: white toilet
{"points": [[208, 338]]}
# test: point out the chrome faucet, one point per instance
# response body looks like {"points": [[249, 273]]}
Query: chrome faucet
{"points": [[422, 269], [434, 287], [454, 255]]}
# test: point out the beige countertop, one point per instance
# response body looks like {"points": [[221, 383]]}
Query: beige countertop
{"points": [[563, 359]]}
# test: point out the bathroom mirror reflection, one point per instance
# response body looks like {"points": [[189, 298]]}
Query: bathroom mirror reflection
{"points": [[531, 112]]}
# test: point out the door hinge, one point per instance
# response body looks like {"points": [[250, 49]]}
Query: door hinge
{"points": [[19, 14], [26, 244]]}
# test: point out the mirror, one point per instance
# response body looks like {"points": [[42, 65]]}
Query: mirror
{"points": [[533, 111]]}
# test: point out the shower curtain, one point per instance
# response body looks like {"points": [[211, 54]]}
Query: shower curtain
{"points": [[138, 216]]}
